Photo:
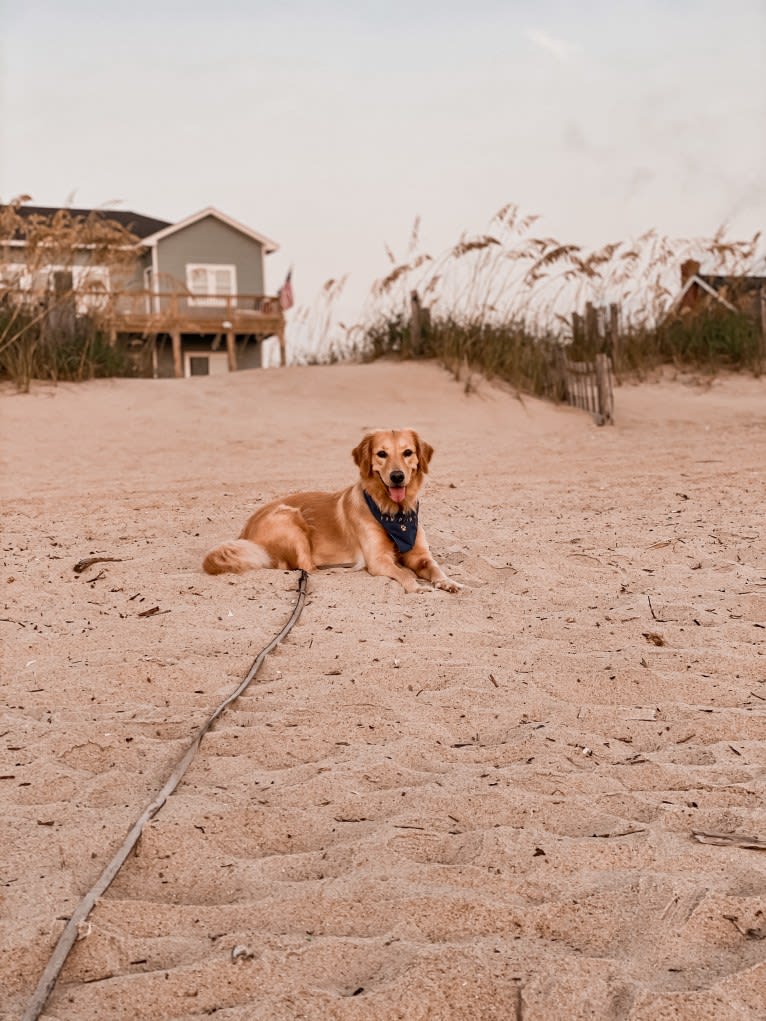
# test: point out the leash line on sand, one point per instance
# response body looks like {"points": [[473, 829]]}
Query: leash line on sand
{"points": [[79, 915]]}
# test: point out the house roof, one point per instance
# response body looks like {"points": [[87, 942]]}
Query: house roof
{"points": [[718, 287], [149, 229], [138, 224], [172, 228], [737, 284]]}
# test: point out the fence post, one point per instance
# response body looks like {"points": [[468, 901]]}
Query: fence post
{"points": [[614, 335], [577, 327], [559, 374], [591, 324], [603, 389], [415, 326]]}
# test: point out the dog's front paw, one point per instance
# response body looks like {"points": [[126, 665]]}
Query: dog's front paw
{"points": [[448, 585]]}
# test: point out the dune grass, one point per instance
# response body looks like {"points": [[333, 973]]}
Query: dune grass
{"points": [[43, 334], [501, 301], [44, 354]]}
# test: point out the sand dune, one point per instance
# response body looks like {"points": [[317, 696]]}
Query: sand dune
{"points": [[430, 807]]}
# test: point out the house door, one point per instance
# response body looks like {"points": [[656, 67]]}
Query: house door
{"points": [[205, 363]]}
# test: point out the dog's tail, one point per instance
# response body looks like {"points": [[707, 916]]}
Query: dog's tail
{"points": [[236, 556]]}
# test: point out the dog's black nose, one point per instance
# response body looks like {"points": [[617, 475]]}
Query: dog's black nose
{"points": [[397, 478]]}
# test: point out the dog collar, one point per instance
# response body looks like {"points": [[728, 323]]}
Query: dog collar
{"points": [[401, 528]]}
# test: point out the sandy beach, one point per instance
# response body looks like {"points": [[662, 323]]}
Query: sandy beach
{"points": [[472, 806]]}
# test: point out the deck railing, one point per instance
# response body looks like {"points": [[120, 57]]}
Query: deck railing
{"points": [[154, 313], [154, 306], [182, 304]]}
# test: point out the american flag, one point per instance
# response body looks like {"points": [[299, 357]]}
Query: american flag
{"points": [[286, 292]]}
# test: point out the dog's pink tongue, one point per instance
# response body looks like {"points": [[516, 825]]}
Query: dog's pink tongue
{"points": [[397, 494]]}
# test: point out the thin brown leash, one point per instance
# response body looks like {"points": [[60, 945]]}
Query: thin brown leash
{"points": [[79, 915]]}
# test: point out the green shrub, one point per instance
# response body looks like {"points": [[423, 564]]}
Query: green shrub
{"points": [[30, 352], [714, 339]]}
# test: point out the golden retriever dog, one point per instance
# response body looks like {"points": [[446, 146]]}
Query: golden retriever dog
{"points": [[373, 523]]}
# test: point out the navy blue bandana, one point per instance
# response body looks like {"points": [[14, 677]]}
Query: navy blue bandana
{"points": [[401, 528]]}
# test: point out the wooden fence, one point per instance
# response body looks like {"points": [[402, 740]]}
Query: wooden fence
{"points": [[590, 386]]}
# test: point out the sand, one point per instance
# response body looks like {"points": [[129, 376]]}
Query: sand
{"points": [[469, 806]]}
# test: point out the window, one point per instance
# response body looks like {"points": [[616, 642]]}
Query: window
{"points": [[199, 365], [16, 283], [211, 281], [92, 286], [205, 363], [14, 276]]}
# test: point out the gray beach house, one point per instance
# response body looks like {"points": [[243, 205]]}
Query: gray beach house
{"points": [[190, 301]]}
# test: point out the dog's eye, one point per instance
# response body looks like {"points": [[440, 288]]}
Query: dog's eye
{"points": [[408, 453], [381, 453]]}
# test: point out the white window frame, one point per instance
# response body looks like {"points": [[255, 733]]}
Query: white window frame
{"points": [[91, 278], [210, 296], [22, 279], [16, 276], [82, 277]]}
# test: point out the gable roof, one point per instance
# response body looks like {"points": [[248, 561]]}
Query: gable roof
{"points": [[148, 229], [736, 284], [717, 288], [172, 228], [697, 281], [138, 224]]}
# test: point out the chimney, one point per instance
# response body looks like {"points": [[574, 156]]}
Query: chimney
{"points": [[689, 269]]}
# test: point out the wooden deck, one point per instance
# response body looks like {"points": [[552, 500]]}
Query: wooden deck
{"points": [[175, 313]]}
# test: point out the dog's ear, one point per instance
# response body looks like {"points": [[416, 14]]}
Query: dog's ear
{"points": [[362, 454], [425, 452]]}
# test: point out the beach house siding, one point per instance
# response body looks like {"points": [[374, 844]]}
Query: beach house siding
{"points": [[210, 241]]}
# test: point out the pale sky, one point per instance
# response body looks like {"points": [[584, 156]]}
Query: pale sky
{"points": [[330, 126]]}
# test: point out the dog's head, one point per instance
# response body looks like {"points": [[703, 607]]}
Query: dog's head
{"points": [[392, 463]]}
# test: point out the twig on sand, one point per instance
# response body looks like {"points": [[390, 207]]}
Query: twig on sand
{"points": [[659, 620], [730, 840], [86, 562], [151, 613], [750, 932], [621, 833]]}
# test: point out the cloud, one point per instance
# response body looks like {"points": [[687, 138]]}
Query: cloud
{"points": [[558, 48]]}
